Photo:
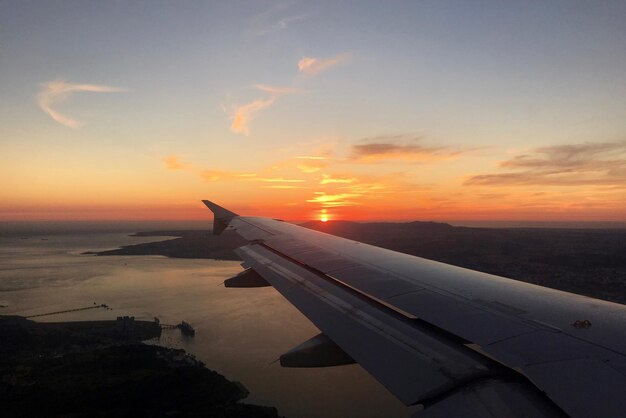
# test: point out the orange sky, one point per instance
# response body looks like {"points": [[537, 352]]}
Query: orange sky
{"points": [[312, 187], [300, 111]]}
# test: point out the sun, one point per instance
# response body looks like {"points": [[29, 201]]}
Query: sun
{"points": [[323, 215]]}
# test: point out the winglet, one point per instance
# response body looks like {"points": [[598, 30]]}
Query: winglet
{"points": [[221, 216]]}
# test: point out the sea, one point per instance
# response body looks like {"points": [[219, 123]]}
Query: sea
{"points": [[240, 333]]}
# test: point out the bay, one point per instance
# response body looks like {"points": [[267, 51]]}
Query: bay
{"points": [[239, 332]]}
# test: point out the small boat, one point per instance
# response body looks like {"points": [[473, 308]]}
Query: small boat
{"points": [[186, 329]]}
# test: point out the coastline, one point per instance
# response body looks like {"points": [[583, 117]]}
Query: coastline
{"points": [[103, 368], [583, 261], [185, 244]]}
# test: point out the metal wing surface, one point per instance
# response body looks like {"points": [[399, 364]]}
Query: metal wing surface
{"points": [[456, 341]]}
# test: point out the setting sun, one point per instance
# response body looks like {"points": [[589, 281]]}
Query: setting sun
{"points": [[324, 218]]}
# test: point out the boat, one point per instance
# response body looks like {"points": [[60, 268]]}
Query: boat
{"points": [[186, 329]]}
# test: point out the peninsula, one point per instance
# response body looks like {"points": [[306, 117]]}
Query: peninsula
{"points": [[590, 262]]}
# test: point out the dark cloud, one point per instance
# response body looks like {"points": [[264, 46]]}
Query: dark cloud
{"points": [[399, 147], [602, 164], [379, 148]]}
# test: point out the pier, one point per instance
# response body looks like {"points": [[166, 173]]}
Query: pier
{"points": [[125, 322], [94, 306], [184, 327]]}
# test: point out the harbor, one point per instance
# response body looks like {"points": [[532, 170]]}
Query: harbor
{"points": [[124, 324], [184, 327], [82, 369]]}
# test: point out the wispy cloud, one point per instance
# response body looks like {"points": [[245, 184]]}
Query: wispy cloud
{"points": [[329, 179], [334, 200], [55, 92], [601, 164], [345, 189], [215, 175], [279, 24], [274, 19], [284, 186], [312, 66], [173, 162], [242, 115], [280, 180], [221, 175], [315, 191], [311, 164], [277, 90], [400, 147]]}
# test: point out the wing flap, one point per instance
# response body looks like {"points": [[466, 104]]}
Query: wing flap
{"points": [[411, 362], [586, 387], [493, 399], [375, 282], [461, 318]]}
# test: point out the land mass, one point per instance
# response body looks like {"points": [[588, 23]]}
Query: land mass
{"points": [[189, 244], [100, 368], [591, 262]]}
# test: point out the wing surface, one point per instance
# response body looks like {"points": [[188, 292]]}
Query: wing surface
{"points": [[447, 338]]}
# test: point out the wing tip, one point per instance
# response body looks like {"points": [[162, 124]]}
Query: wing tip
{"points": [[221, 216]]}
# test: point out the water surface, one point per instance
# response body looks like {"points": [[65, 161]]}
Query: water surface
{"points": [[239, 332]]}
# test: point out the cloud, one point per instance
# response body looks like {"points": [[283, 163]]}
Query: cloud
{"points": [[242, 115], [339, 190], [55, 92], [221, 175], [275, 183], [399, 147], [279, 24], [274, 19], [280, 180], [334, 200], [276, 90], [214, 175], [328, 179], [311, 164], [283, 186], [217, 175], [312, 66], [600, 164], [172, 162]]}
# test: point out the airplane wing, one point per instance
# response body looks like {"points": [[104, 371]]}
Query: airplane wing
{"points": [[456, 341]]}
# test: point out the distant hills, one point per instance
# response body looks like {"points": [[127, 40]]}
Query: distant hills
{"points": [[590, 262], [586, 261]]}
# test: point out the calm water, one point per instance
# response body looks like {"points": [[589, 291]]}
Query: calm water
{"points": [[239, 332]]}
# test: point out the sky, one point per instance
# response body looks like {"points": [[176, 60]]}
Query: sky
{"points": [[400, 110]]}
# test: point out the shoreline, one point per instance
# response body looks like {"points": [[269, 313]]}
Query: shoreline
{"points": [[583, 261], [103, 368], [184, 244]]}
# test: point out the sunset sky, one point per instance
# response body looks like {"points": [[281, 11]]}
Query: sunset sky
{"points": [[416, 110]]}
